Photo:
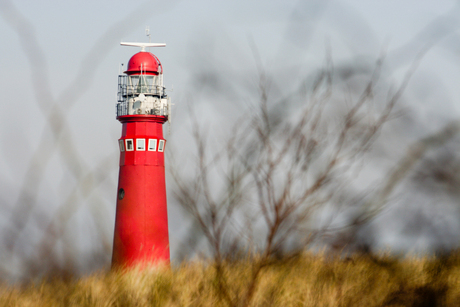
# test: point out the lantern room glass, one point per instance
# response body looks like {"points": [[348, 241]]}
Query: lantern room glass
{"points": [[143, 83]]}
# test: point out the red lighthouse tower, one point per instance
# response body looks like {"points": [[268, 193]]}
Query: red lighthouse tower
{"points": [[141, 224]]}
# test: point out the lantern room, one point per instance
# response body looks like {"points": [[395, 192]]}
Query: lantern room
{"points": [[140, 89]]}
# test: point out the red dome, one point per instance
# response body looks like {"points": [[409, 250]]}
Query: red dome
{"points": [[146, 62]]}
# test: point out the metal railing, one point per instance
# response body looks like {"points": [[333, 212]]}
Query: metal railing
{"points": [[128, 92], [122, 109], [125, 90]]}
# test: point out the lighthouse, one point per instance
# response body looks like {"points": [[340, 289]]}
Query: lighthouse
{"points": [[141, 223]]}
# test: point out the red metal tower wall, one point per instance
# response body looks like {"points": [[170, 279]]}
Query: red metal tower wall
{"points": [[141, 224]]}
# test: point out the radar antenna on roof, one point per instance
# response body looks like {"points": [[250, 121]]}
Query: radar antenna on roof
{"points": [[143, 45]]}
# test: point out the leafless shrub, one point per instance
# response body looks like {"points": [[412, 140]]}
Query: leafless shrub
{"points": [[259, 192], [257, 195]]}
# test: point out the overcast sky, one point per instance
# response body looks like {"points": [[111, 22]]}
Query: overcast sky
{"points": [[81, 38]]}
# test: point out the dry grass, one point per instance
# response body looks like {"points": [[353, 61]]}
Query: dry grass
{"points": [[308, 280]]}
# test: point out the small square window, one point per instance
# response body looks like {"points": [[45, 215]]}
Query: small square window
{"points": [[121, 143], [140, 144], [129, 145], [161, 146], [153, 145]]}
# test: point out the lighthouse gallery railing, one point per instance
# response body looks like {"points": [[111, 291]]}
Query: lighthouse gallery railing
{"points": [[127, 91]]}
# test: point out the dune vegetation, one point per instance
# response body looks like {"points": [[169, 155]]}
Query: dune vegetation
{"points": [[306, 280]]}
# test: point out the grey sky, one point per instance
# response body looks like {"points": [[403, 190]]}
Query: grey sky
{"points": [[286, 33]]}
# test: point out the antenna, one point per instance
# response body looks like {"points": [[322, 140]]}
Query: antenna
{"points": [[143, 45], [147, 32]]}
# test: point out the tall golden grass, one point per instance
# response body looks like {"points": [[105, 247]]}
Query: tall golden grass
{"points": [[306, 280]]}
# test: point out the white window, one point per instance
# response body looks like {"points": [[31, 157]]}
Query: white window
{"points": [[140, 144], [153, 145], [161, 146], [129, 145], [121, 143]]}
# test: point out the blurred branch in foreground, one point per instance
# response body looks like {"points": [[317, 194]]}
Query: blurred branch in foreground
{"points": [[277, 171], [57, 138]]}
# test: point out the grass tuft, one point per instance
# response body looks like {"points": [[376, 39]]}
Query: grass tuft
{"points": [[308, 280]]}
